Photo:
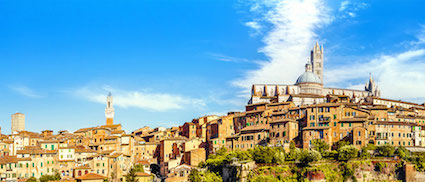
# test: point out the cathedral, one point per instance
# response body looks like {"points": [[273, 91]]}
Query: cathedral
{"points": [[308, 88]]}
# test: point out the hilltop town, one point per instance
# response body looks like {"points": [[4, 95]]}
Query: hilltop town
{"points": [[284, 116]]}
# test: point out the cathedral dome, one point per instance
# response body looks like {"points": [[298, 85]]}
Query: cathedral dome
{"points": [[308, 77]]}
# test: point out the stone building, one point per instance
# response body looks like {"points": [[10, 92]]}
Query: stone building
{"points": [[18, 122], [309, 87]]}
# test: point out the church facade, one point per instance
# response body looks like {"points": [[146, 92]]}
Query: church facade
{"points": [[308, 88]]}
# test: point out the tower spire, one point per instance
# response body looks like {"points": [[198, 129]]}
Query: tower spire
{"points": [[316, 58]]}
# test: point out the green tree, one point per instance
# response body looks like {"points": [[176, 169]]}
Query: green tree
{"points": [[347, 170], [207, 176], [320, 146], [268, 155], [402, 153], [294, 152], [263, 154], [308, 156], [131, 176], [46, 178], [32, 179], [347, 152], [385, 150], [364, 153], [340, 144]]}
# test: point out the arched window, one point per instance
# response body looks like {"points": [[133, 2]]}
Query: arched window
{"points": [[86, 172], [79, 173]]}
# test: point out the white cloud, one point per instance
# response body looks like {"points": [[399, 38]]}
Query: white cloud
{"points": [[25, 91], [254, 25], [399, 76], [225, 58], [289, 40], [344, 5], [139, 99], [349, 8]]}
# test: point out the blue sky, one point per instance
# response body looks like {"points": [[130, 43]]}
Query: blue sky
{"points": [[167, 62]]}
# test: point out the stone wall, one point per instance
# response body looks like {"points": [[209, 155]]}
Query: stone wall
{"points": [[411, 175]]}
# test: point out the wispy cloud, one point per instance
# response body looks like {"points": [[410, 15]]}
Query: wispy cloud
{"points": [[399, 76], [290, 36], [255, 26], [25, 91], [225, 58], [349, 8], [139, 98], [343, 5]]}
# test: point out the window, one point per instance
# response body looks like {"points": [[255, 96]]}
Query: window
{"points": [[334, 123], [342, 124], [360, 134], [259, 136]]}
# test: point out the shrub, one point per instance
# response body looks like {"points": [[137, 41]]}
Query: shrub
{"points": [[380, 166], [347, 152], [402, 153], [385, 150], [346, 170], [308, 156], [207, 176], [268, 155], [320, 146]]}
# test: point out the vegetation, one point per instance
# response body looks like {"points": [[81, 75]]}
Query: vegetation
{"points": [[320, 146], [347, 152], [294, 152], [207, 176], [346, 170], [268, 155], [308, 156], [131, 175], [276, 165], [402, 153], [32, 179], [385, 150], [380, 166], [46, 178]]}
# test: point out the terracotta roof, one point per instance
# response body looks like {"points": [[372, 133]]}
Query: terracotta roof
{"points": [[8, 159], [91, 176], [115, 155], [141, 174], [256, 127], [143, 162]]}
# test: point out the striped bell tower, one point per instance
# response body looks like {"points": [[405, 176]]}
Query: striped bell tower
{"points": [[109, 110]]}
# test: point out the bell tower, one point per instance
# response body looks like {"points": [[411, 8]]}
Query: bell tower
{"points": [[317, 60], [109, 110]]}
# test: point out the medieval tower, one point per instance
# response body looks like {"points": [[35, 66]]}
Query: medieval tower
{"points": [[109, 110], [317, 60]]}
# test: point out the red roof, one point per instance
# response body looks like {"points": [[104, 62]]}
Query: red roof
{"points": [[91, 176]]}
